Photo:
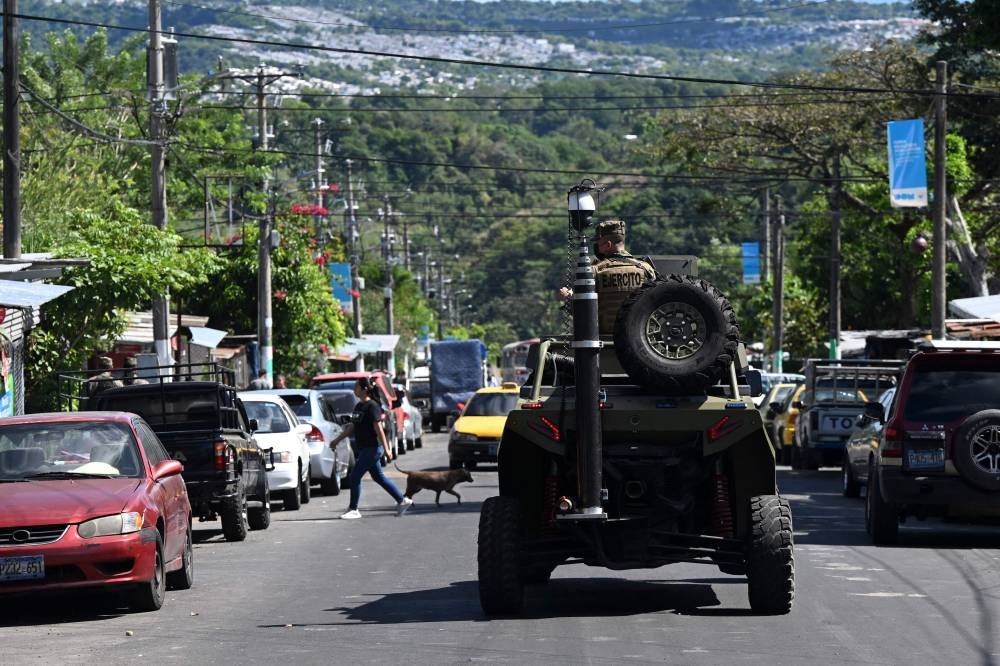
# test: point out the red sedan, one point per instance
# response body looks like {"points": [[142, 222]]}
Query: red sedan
{"points": [[91, 499]]}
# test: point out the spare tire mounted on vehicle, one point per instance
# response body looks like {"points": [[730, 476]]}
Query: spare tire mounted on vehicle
{"points": [[976, 450], [676, 334]]}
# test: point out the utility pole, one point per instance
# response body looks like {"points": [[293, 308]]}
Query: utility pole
{"points": [[157, 111], [387, 256], [765, 230], [938, 287], [11, 134], [317, 231], [352, 232], [835, 261], [778, 284], [265, 321]]}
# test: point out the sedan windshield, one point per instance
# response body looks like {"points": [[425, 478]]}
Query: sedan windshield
{"points": [[65, 450], [490, 404]]}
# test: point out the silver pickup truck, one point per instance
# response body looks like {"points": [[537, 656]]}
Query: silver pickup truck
{"points": [[835, 395]]}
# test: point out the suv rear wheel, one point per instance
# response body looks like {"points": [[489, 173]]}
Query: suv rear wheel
{"points": [[976, 449], [676, 334]]}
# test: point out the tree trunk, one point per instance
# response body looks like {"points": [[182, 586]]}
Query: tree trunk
{"points": [[971, 259]]}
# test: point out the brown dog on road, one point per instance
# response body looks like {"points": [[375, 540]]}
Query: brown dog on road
{"points": [[438, 481]]}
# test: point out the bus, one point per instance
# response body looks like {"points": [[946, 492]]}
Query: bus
{"points": [[514, 361]]}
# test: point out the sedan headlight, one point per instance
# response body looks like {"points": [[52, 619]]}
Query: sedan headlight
{"points": [[463, 437], [122, 523]]}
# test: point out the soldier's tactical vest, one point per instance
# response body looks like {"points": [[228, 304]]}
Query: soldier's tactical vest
{"points": [[617, 276]]}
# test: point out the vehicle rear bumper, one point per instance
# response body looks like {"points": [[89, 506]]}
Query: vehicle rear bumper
{"points": [[477, 452], [74, 562], [899, 487]]}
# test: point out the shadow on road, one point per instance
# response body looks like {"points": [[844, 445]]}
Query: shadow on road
{"points": [[821, 515], [60, 608], [562, 597]]}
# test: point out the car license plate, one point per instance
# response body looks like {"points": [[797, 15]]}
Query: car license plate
{"points": [[493, 449], [924, 457], [27, 567]]}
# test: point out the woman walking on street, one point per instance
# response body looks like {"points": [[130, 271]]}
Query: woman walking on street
{"points": [[370, 441]]}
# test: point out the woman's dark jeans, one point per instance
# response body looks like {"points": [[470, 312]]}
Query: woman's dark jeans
{"points": [[368, 460]]}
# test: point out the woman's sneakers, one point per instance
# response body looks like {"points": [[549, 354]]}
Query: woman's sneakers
{"points": [[353, 514], [402, 507]]}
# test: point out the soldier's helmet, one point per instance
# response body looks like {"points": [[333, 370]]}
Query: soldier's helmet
{"points": [[105, 362], [613, 229], [131, 362]]}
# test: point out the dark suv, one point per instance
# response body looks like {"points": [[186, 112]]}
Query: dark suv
{"points": [[939, 451]]}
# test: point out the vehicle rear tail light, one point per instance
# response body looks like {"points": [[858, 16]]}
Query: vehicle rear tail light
{"points": [[531, 405], [315, 435], [223, 455], [893, 447], [545, 427], [722, 427]]}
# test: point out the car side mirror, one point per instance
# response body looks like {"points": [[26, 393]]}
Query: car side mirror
{"points": [[874, 411], [166, 468], [775, 407], [254, 426], [797, 404]]}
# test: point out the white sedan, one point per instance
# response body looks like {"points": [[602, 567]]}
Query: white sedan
{"points": [[413, 421], [279, 429]]}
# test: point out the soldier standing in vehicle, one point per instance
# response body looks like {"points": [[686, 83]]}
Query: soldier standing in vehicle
{"points": [[617, 273], [131, 370], [105, 379]]}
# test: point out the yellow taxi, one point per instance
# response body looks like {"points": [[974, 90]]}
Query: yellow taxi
{"points": [[475, 435], [784, 424]]}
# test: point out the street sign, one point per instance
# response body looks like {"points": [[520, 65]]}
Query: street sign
{"points": [[751, 262], [907, 164]]}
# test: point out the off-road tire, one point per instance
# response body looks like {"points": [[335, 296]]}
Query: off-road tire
{"points": [[849, 485], [501, 587], [234, 524], [537, 574], [259, 518], [676, 334], [770, 561], [305, 490], [976, 450], [149, 595], [881, 518], [183, 578]]}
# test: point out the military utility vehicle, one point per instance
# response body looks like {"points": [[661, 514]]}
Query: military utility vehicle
{"points": [[675, 468]]}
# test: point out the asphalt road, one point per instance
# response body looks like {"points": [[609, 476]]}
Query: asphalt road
{"points": [[313, 589]]}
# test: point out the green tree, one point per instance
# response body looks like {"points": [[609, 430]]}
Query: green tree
{"points": [[128, 263]]}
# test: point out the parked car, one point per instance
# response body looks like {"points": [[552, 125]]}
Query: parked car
{"points": [[420, 396], [281, 431], [413, 421], [330, 467], [92, 500], [201, 422], [770, 407], [475, 434], [784, 424], [860, 444], [386, 394], [938, 452]]}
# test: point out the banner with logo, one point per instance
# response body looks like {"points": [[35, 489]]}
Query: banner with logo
{"points": [[340, 285], [907, 164], [751, 263]]}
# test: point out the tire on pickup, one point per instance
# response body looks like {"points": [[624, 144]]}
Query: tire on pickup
{"points": [[676, 334]]}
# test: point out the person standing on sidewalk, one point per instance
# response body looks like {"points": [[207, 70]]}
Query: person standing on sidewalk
{"points": [[370, 441]]}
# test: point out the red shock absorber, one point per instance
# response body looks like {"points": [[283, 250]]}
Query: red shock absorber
{"points": [[550, 500], [722, 510]]}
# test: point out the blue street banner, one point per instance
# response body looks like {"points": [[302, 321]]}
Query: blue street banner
{"points": [[340, 285], [907, 164], [751, 262]]}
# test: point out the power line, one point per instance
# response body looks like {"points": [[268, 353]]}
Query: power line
{"points": [[498, 65]]}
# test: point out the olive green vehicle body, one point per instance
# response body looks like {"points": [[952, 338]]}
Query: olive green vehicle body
{"points": [[664, 460]]}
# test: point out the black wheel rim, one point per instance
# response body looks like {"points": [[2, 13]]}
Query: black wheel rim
{"points": [[675, 331]]}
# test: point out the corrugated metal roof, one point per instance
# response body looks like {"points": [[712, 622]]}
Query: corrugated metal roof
{"points": [[140, 326], [977, 307], [29, 294]]}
